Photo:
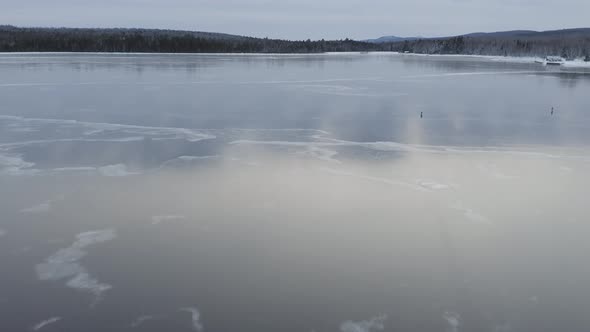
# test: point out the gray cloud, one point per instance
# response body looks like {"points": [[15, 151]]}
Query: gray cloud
{"points": [[301, 19]]}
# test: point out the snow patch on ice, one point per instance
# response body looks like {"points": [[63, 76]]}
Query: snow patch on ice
{"points": [[376, 179], [42, 207], [374, 324], [46, 322], [64, 264], [432, 185], [195, 317], [322, 154], [39, 208], [84, 282], [115, 170], [342, 90], [495, 172], [14, 164], [140, 320], [577, 64], [191, 158], [469, 213], [2, 232], [91, 130], [453, 320], [184, 161], [566, 169], [75, 169], [161, 219]]}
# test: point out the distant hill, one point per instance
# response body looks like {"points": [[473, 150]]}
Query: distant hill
{"points": [[564, 33], [390, 39]]}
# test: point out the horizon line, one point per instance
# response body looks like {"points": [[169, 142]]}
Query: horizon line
{"points": [[285, 39]]}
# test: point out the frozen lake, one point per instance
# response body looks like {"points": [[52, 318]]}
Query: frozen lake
{"points": [[351, 192]]}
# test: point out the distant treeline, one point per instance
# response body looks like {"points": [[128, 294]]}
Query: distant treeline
{"points": [[569, 44], [572, 43], [13, 39]]}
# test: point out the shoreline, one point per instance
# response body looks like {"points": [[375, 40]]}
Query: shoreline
{"points": [[578, 63]]}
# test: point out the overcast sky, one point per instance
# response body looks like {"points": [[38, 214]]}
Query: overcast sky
{"points": [[302, 19]]}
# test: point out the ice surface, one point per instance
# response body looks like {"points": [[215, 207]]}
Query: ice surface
{"points": [[374, 324], [495, 171], [65, 263], [341, 90], [506, 327], [389, 146], [46, 322], [195, 317], [2, 232], [476, 73]]}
